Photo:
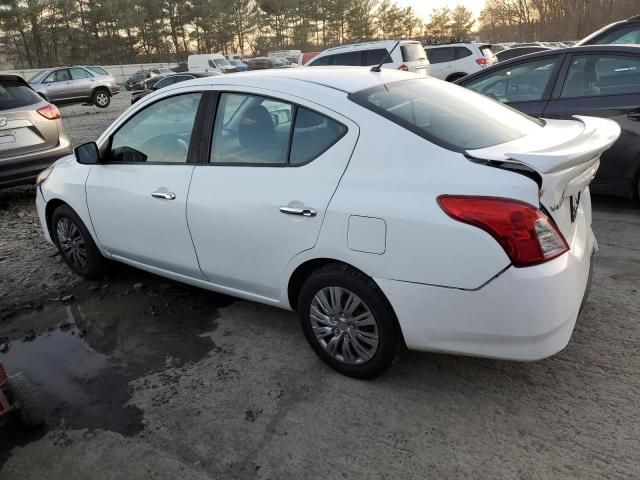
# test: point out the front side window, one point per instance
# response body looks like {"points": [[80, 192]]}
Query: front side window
{"points": [[159, 133], [61, 75], [255, 130], [440, 55], [79, 73], [629, 35], [523, 82], [446, 114], [599, 76]]}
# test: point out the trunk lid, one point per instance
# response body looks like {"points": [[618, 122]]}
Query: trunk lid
{"points": [[566, 155]]}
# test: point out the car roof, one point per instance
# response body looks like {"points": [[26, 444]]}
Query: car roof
{"points": [[635, 49], [346, 79]]}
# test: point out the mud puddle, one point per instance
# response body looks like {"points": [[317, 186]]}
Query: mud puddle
{"points": [[82, 352]]}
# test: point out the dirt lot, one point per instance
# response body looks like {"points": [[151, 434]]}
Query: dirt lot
{"points": [[146, 378]]}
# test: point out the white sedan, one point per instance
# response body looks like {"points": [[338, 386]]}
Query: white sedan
{"points": [[383, 207]]}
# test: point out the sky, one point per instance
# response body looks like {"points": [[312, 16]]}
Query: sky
{"points": [[424, 7]]}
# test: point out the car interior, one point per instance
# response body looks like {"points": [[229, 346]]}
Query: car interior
{"points": [[591, 75]]}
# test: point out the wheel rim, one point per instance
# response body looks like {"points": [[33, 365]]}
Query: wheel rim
{"points": [[344, 325], [72, 243], [102, 98]]}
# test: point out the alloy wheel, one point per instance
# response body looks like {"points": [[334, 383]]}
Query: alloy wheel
{"points": [[344, 325], [102, 98], [72, 243]]}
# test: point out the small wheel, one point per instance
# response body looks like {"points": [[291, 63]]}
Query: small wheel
{"points": [[27, 398], [348, 321], [75, 243], [101, 98]]}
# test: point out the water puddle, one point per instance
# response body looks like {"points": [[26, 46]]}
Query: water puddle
{"points": [[82, 353]]}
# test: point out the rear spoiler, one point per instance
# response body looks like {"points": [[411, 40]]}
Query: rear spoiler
{"points": [[598, 135]]}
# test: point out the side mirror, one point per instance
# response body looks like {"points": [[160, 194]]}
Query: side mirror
{"points": [[87, 153]]}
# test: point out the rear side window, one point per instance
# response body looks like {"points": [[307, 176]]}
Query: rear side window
{"points": [[461, 52], [440, 55], [413, 52], [14, 94], [98, 70], [600, 76], [312, 135], [447, 115], [79, 73]]}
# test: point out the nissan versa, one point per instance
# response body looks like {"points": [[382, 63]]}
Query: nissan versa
{"points": [[382, 206]]}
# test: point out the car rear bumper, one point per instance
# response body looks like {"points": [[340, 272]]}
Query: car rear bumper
{"points": [[523, 314], [25, 168]]}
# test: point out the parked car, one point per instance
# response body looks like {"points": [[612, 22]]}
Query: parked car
{"points": [[79, 84], [623, 32], [136, 81], [408, 56], [304, 58], [602, 80], [239, 65], [170, 80], [518, 52], [263, 63], [210, 62], [476, 240], [180, 68], [452, 61], [32, 136]]}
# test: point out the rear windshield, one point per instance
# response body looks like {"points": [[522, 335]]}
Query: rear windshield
{"points": [[445, 114], [98, 70], [413, 52], [15, 94]]}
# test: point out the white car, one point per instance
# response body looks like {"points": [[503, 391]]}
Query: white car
{"points": [[408, 55], [382, 206], [453, 61]]}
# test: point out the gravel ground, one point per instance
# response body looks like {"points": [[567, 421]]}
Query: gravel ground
{"points": [[146, 378]]}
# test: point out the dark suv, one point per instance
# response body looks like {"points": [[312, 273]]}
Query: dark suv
{"points": [[623, 32]]}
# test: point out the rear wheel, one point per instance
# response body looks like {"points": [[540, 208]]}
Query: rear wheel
{"points": [[74, 241], [101, 98], [348, 321], [27, 398]]}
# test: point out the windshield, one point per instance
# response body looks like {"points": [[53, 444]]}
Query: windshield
{"points": [[447, 115], [222, 61], [38, 77]]}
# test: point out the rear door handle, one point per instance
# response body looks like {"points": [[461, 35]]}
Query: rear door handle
{"points": [[164, 195], [302, 211]]}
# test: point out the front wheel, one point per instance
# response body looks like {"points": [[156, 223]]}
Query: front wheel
{"points": [[348, 322], [101, 98], [75, 244]]}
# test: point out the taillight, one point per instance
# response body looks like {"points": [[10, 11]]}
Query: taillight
{"points": [[482, 61], [526, 234], [403, 67], [50, 111]]}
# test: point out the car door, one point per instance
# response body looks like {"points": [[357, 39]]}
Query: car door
{"points": [[605, 85], [82, 83], [524, 85], [259, 200], [137, 195], [442, 62], [58, 85]]}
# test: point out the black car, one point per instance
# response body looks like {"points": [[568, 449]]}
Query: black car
{"points": [[136, 81], [167, 80], [620, 33], [595, 80], [514, 52]]}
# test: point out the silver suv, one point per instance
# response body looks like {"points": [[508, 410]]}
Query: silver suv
{"points": [[31, 132], [80, 84]]}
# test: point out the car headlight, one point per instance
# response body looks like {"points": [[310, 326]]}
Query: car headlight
{"points": [[43, 175]]}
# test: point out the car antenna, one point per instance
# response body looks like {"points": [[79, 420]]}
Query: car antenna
{"points": [[376, 68]]}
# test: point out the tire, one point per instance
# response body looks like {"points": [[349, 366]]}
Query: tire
{"points": [[101, 98], [75, 243], [27, 397], [340, 330]]}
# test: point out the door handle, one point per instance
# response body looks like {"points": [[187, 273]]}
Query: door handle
{"points": [[164, 195], [302, 211]]}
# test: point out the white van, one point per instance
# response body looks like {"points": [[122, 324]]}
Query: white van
{"points": [[409, 55], [209, 62]]}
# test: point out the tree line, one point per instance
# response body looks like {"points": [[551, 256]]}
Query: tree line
{"points": [[550, 20], [40, 33]]}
